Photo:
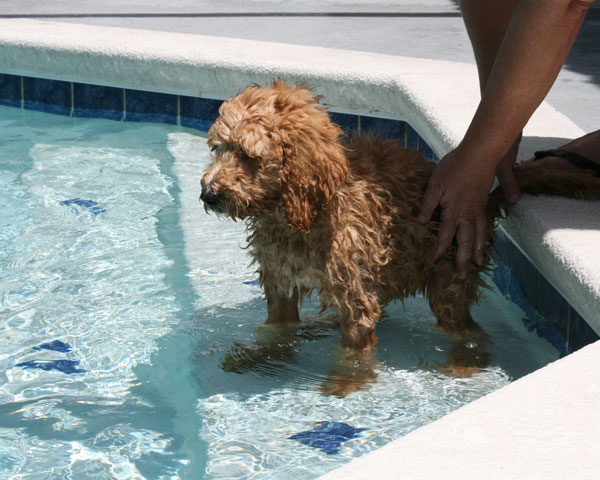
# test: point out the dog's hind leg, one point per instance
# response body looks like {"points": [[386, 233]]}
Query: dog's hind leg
{"points": [[450, 298], [281, 308]]}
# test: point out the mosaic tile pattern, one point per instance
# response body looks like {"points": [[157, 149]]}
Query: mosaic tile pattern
{"points": [[10, 90], [150, 106], [547, 312], [198, 113], [97, 101], [51, 96]]}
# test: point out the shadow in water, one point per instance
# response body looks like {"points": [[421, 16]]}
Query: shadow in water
{"points": [[237, 352]]}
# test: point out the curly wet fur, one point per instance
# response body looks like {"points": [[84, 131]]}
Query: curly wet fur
{"points": [[336, 217]]}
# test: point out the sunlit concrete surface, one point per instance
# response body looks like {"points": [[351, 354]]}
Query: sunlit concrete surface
{"points": [[431, 29]]}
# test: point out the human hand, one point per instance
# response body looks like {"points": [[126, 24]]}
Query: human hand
{"points": [[460, 186]]}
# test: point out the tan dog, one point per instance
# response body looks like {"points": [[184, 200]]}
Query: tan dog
{"points": [[340, 218]]}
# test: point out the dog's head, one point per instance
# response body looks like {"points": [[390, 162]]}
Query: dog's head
{"points": [[273, 146]]}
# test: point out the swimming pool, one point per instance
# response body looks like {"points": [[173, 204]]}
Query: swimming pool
{"points": [[122, 299]]}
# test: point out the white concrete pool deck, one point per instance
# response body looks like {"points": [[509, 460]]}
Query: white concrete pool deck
{"points": [[556, 429]]}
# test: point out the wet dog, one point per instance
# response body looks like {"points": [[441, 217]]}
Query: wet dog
{"points": [[338, 216]]}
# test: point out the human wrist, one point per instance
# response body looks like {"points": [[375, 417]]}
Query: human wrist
{"points": [[476, 160]]}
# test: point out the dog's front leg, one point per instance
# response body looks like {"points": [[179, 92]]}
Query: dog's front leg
{"points": [[450, 298], [274, 341], [281, 308]]}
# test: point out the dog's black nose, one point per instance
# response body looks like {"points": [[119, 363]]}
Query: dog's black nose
{"points": [[209, 197]]}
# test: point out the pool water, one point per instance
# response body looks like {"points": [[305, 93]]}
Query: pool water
{"points": [[122, 301]]}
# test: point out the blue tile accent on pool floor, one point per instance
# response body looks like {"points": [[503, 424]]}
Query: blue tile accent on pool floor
{"points": [[561, 324], [59, 365], [327, 436], [64, 366], [90, 205], [54, 345]]}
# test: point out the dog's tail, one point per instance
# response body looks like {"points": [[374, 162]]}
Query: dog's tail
{"points": [[552, 181], [548, 181]]}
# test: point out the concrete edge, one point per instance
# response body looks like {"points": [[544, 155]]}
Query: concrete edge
{"points": [[415, 90]]}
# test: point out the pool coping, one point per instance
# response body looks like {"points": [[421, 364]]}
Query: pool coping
{"points": [[370, 84]]}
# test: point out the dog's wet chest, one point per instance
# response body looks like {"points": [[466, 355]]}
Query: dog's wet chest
{"points": [[287, 256]]}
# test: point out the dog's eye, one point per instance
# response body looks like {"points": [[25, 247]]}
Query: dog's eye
{"points": [[244, 157], [213, 147]]}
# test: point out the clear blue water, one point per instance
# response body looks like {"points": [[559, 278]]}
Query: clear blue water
{"points": [[104, 248]]}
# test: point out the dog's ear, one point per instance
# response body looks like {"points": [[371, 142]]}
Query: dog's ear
{"points": [[314, 166]]}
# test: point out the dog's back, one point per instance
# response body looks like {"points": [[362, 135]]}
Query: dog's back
{"points": [[396, 169], [400, 177], [403, 175]]}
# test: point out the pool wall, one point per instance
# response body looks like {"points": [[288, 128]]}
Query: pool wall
{"points": [[134, 75]]}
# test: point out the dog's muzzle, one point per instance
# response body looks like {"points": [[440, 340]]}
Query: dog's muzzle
{"points": [[210, 198]]}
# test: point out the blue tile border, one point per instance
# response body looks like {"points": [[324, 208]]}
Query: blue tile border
{"points": [[580, 333], [97, 101], [389, 129], [143, 107], [84, 100], [198, 113], [546, 311], [508, 284], [349, 123], [11, 90], [52, 96]]}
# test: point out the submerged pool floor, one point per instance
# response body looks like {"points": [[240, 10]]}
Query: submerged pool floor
{"points": [[124, 305]]}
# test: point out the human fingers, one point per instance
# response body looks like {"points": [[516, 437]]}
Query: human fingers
{"points": [[465, 238], [431, 200], [479, 244], [446, 234], [508, 182]]}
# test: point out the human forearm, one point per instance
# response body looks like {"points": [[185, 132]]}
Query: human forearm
{"points": [[515, 75], [486, 22], [536, 44]]}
